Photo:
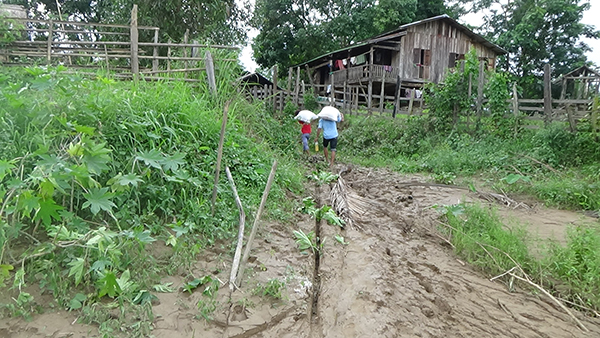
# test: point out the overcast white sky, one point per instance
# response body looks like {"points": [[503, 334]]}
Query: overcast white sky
{"points": [[590, 17]]}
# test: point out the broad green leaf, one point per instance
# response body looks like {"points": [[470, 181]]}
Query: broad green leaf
{"points": [[46, 189], [100, 265], [173, 162], [85, 130], [77, 269], [47, 210], [5, 270], [28, 202], [77, 301], [108, 285], [130, 179], [172, 240], [144, 297], [75, 149], [5, 168], [95, 157], [152, 158], [99, 199], [125, 283], [144, 237]]}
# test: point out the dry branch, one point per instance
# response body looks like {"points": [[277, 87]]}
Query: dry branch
{"points": [[238, 248], [526, 280], [263, 200]]}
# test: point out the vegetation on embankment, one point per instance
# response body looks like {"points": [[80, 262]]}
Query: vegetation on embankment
{"points": [[93, 171], [558, 167]]}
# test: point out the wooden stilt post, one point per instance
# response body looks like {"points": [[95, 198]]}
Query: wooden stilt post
{"points": [[397, 96], [370, 88], [382, 94], [480, 84], [411, 102]]}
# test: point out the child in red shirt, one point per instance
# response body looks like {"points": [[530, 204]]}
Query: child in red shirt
{"points": [[306, 130]]}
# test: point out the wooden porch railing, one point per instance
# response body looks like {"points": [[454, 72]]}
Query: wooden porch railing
{"points": [[364, 72]]}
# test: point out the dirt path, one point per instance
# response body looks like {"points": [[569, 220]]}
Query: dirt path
{"points": [[394, 278]]}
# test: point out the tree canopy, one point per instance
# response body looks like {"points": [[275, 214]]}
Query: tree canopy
{"points": [[292, 31], [536, 32], [216, 21]]}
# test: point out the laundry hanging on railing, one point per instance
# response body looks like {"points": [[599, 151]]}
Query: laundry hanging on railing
{"points": [[339, 64]]}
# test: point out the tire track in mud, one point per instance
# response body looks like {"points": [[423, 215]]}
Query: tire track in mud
{"points": [[397, 279]]}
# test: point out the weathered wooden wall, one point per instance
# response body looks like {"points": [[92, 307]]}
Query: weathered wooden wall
{"points": [[441, 39]]}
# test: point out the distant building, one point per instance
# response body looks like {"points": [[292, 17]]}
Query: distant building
{"points": [[419, 52]]}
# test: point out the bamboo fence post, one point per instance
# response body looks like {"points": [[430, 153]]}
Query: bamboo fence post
{"points": [[275, 88], [515, 106], [594, 117], [49, 56], [155, 52], [547, 95], [572, 124], [297, 86], [382, 94], [219, 156], [240, 240], [210, 72], [310, 78], [106, 57], [185, 41], [480, 84], [289, 83], [263, 200], [169, 56], [135, 66]]}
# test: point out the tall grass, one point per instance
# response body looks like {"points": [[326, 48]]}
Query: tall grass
{"points": [[558, 167], [92, 171]]}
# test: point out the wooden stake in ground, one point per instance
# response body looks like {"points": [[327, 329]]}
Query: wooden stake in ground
{"points": [[238, 248], [219, 155], [240, 275]]}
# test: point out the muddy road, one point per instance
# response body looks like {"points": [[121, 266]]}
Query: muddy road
{"points": [[395, 277]]}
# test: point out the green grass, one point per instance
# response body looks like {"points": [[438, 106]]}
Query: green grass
{"points": [[561, 168]]}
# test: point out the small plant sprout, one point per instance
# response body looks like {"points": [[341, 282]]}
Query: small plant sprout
{"points": [[306, 241], [323, 177], [340, 239]]}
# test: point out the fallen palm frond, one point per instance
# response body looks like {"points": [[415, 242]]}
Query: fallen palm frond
{"points": [[347, 204]]}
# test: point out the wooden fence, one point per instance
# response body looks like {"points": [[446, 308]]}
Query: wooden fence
{"points": [[117, 48], [354, 99]]}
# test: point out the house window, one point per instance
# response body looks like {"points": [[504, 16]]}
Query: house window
{"points": [[454, 58], [422, 61]]}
